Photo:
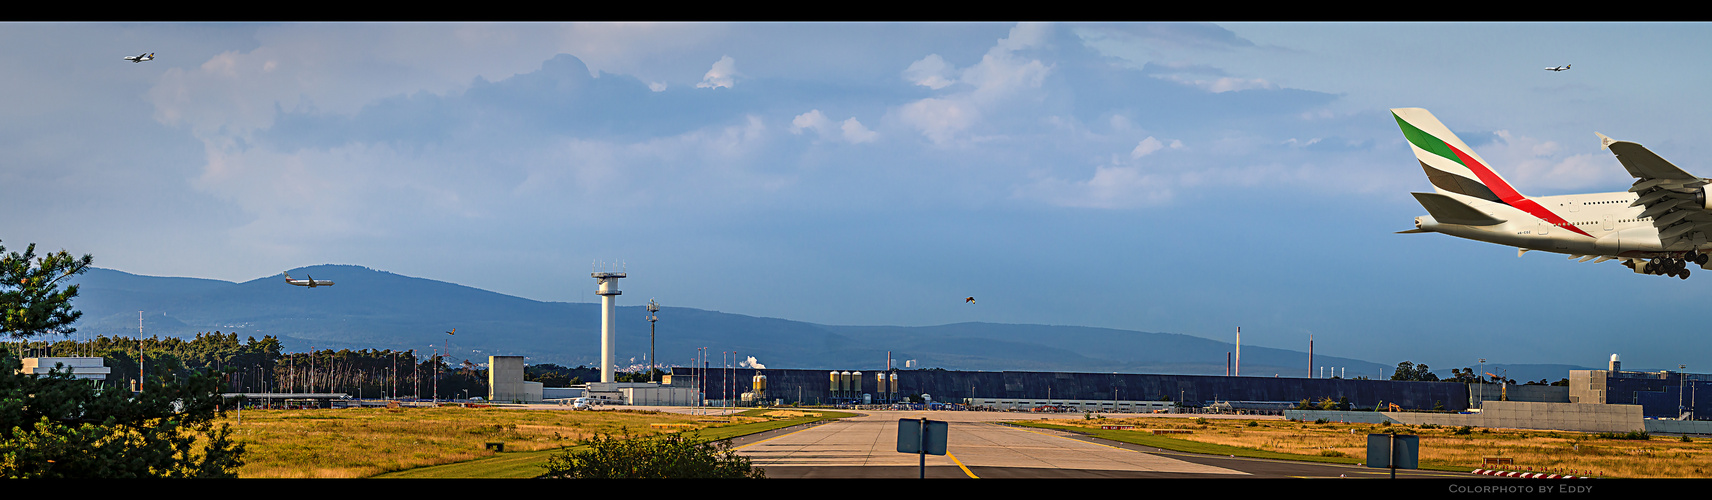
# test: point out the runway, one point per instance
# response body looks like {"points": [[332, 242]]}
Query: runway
{"points": [[978, 447]]}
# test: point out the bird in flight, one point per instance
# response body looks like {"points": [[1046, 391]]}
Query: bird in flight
{"points": [[1559, 68], [970, 300]]}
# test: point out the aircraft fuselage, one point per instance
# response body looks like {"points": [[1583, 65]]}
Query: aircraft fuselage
{"points": [[1596, 224]]}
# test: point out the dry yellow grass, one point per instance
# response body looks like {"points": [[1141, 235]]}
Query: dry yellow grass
{"points": [[365, 442], [1540, 451]]}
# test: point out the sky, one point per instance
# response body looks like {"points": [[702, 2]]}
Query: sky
{"points": [[1173, 177]]}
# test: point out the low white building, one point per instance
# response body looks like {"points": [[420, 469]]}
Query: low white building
{"points": [[87, 368]]}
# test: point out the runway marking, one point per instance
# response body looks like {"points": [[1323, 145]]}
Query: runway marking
{"points": [[961, 466], [772, 438]]}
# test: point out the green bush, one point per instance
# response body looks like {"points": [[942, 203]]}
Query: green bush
{"points": [[55, 426], [657, 456]]}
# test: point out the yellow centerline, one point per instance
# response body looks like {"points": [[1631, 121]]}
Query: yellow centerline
{"points": [[960, 465]]}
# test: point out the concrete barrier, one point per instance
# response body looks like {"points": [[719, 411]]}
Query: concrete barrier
{"points": [[1581, 417]]}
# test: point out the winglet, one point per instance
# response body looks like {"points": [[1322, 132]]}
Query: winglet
{"points": [[1520, 251], [1604, 142]]}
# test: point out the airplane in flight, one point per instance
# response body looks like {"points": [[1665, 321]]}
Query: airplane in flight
{"points": [[1660, 226], [1559, 68], [311, 282], [141, 57]]}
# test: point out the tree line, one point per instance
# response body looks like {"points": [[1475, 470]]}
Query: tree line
{"points": [[255, 366]]}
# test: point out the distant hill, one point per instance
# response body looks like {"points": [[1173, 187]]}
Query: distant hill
{"points": [[371, 309]]}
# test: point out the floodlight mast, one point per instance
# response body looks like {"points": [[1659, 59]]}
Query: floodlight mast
{"points": [[653, 307]]}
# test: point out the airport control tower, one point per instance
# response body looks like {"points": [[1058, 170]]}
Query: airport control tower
{"points": [[608, 294]]}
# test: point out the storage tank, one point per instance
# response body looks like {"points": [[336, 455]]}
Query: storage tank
{"points": [[880, 382], [855, 383], [894, 377], [759, 385], [833, 383]]}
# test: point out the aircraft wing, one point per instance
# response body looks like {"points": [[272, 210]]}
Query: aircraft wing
{"points": [[1674, 199]]}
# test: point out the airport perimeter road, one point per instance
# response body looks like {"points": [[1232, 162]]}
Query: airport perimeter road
{"points": [[978, 447]]}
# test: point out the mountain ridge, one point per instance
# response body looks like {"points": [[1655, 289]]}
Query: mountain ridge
{"points": [[375, 309]]}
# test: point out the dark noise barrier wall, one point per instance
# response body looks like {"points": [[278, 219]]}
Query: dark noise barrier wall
{"points": [[814, 387]]}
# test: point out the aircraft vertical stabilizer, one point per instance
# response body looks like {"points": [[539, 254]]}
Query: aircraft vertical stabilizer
{"points": [[1450, 164]]}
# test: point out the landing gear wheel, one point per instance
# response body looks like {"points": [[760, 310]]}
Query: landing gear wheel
{"points": [[1683, 274]]}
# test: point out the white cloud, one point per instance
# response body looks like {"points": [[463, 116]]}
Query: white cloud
{"points": [[1111, 187], [657, 86], [1151, 145], [931, 72], [1224, 84], [1533, 164], [856, 133], [850, 130], [721, 75], [940, 119], [995, 82], [810, 120]]}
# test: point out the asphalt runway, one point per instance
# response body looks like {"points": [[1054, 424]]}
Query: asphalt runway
{"points": [[978, 446]]}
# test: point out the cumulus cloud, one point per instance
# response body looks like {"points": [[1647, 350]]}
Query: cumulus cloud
{"points": [[1111, 187], [1224, 83], [721, 75], [1532, 163], [995, 81], [1150, 145], [855, 132], [931, 72], [850, 130]]}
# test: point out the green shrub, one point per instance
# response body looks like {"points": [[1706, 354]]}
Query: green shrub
{"points": [[658, 456], [1635, 435]]}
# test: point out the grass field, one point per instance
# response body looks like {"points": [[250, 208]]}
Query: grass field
{"points": [[431, 442], [1442, 448]]}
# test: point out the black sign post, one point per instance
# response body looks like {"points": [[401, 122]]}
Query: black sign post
{"points": [[923, 437]]}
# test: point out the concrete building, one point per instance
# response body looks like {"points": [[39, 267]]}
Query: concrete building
{"points": [[816, 387], [505, 381], [86, 368], [1661, 394]]}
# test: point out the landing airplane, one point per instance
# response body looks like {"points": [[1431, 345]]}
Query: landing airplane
{"points": [[1559, 68], [311, 282], [141, 57], [1660, 226]]}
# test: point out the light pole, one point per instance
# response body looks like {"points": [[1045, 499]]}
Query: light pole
{"points": [[653, 307], [1681, 385], [1480, 399]]}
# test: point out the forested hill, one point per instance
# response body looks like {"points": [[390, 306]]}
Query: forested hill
{"points": [[379, 310]]}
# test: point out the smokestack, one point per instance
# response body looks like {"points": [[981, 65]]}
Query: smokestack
{"points": [[1310, 355], [1239, 351]]}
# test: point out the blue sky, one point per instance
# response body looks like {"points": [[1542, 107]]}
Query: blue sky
{"points": [[1177, 177]]}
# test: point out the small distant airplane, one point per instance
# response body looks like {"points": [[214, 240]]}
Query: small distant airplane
{"points": [[1559, 68], [141, 57], [311, 282]]}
